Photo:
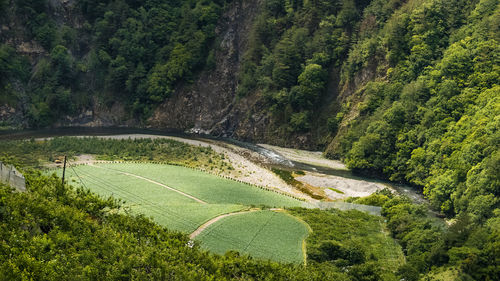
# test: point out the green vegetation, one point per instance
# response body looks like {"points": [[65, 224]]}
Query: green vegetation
{"points": [[37, 153], [289, 178], [12, 66], [419, 81], [180, 212], [431, 122], [338, 191], [134, 52], [405, 90], [207, 187], [262, 234], [168, 208], [464, 250], [351, 239], [55, 232], [376, 199], [431, 119], [293, 45]]}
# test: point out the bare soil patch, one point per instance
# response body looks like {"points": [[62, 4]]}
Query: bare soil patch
{"points": [[315, 158], [349, 187]]}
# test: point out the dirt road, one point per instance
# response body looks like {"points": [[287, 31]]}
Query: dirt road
{"points": [[212, 221]]}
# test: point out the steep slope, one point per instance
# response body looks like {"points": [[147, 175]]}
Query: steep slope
{"points": [[203, 105], [432, 118], [406, 90], [99, 62], [402, 90]]}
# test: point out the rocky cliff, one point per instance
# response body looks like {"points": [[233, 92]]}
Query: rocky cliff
{"points": [[208, 105]]}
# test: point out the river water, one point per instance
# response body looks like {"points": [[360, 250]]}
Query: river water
{"points": [[275, 158]]}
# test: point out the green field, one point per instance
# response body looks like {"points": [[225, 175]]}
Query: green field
{"points": [[207, 187], [262, 234], [166, 207]]}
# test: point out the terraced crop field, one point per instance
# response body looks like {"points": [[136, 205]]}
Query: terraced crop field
{"points": [[207, 187], [262, 234], [183, 199], [165, 206]]}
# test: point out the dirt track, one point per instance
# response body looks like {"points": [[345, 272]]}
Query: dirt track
{"points": [[157, 183], [212, 221]]}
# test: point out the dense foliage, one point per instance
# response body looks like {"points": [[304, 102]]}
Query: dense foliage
{"points": [[133, 52], [293, 46], [56, 232], [417, 100], [352, 240], [37, 153], [469, 249], [433, 121]]}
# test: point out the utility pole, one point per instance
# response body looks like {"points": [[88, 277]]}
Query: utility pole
{"points": [[64, 170]]}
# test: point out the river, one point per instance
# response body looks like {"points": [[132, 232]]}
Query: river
{"points": [[273, 158]]}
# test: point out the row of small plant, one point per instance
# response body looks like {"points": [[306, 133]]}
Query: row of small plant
{"points": [[267, 188]]}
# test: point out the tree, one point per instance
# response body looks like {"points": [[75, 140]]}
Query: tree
{"points": [[62, 64], [312, 82]]}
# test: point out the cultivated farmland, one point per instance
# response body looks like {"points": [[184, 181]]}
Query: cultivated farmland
{"points": [[207, 187], [264, 234], [182, 199], [165, 206]]}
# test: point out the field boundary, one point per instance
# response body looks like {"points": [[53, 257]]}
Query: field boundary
{"points": [[154, 182], [188, 167], [208, 223], [304, 242]]}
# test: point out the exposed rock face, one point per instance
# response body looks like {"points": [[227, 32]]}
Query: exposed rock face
{"points": [[6, 113], [99, 116], [210, 105], [206, 105], [348, 90]]}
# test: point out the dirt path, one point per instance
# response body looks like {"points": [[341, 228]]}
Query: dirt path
{"points": [[155, 182], [212, 221]]}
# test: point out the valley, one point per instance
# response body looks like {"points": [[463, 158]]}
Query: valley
{"points": [[350, 140], [183, 199]]}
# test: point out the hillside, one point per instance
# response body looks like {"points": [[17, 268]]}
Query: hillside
{"points": [[56, 231], [404, 90]]}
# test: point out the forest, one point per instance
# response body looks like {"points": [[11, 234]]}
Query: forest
{"points": [[404, 90], [51, 222], [428, 117], [131, 51]]}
